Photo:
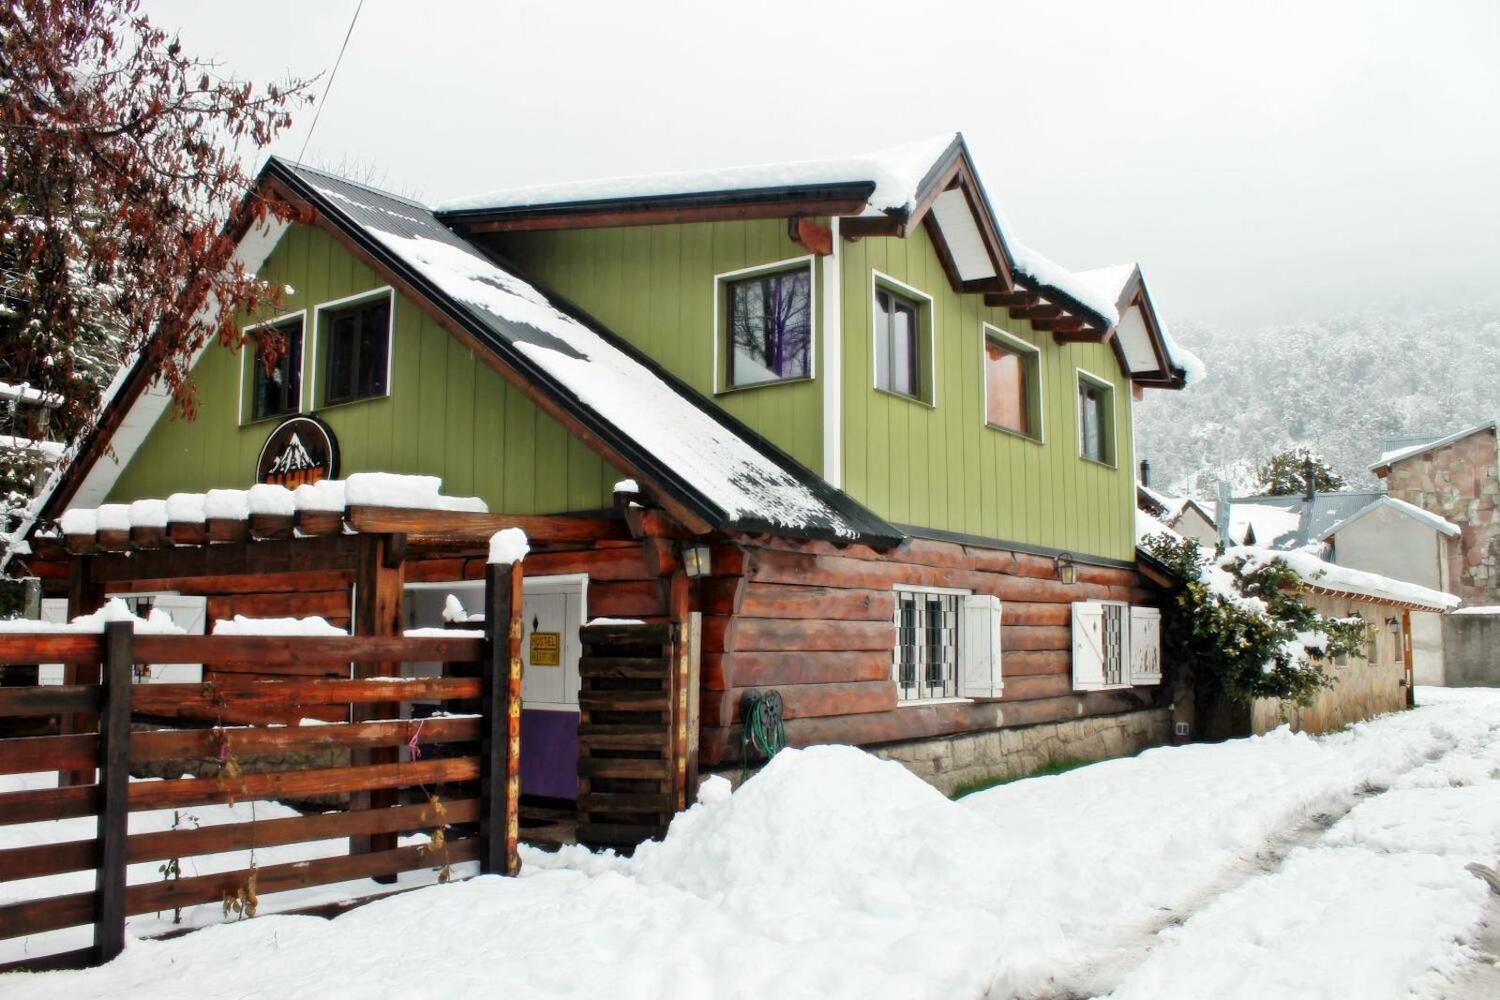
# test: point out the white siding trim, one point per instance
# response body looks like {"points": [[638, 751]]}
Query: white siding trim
{"points": [[833, 362], [314, 405], [254, 248]]}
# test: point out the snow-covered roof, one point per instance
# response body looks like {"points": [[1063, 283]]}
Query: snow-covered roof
{"points": [[1330, 576], [892, 181], [896, 174], [684, 443], [1273, 525], [1291, 522], [1401, 449]]}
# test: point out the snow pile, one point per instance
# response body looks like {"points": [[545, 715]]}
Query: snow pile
{"points": [[157, 622], [454, 611], [833, 873], [508, 546], [325, 495], [148, 514], [227, 505], [627, 486], [241, 625], [79, 521], [270, 499], [388, 489], [1316, 572], [48, 450], [113, 517], [896, 172], [186, 508]]}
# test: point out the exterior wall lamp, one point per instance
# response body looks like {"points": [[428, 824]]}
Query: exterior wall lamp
{"points": [[1067, 569], [696, 562]]}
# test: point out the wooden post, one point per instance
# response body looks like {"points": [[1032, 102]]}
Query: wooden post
{"points": [[500, 748], [114, 791], [679, 687], [85, 596], [378, 583], [1406, 660]]}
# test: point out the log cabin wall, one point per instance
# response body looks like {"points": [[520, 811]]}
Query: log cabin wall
{"points": [[816, 622]]}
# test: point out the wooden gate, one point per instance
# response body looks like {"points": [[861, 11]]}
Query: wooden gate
{"points": [[632, 732], [478, 771]]}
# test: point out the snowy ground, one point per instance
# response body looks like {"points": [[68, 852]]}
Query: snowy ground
{"points": [[1279, 866]]}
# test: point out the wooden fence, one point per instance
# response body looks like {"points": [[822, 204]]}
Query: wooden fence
{"points": [[471, 751]]}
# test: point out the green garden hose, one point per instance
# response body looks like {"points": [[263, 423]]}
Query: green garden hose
{"points": [[761, 726]]}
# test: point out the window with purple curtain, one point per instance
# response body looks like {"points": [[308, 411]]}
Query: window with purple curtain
{"points": [[770, 328]]}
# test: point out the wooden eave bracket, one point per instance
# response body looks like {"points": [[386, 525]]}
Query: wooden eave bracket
{"points": [[810, 234]]}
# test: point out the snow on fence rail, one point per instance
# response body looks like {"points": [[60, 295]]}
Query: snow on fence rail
{"points": [[464, 760]]}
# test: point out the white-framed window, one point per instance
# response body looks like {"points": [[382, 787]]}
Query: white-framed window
{"points": [[1012, 383], [764, 331], [947, 644], [903, 340], [1115, 645], [1096, 418], [271, 367], [353, 345]]}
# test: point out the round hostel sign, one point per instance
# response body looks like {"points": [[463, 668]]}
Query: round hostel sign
{"points": [[300, 450]]}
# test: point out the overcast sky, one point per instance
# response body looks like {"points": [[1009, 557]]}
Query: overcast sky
{"points": [[1263, 161]]}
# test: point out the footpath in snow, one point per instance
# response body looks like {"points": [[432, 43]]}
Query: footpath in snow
{"points": [[1278, 866]]}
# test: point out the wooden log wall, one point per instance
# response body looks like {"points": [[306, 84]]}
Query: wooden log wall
{"points": [[816, 622]]}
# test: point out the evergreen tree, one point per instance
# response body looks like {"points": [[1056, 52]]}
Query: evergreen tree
{"points": [[1285, 474]]}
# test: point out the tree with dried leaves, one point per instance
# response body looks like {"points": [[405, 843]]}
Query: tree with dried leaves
{"points": [[125, 162]]}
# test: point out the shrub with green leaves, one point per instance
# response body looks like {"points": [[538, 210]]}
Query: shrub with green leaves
{"points": [[1243, 628]]}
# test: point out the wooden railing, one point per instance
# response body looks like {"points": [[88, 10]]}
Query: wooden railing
{"points": [[477, 766]]}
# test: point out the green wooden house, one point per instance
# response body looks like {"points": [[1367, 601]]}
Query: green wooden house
{"points": [[901, 438]]}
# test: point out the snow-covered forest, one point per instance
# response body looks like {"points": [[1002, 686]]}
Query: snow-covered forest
{"points": [[1339, 386]]}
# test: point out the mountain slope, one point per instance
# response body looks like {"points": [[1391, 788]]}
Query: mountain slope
{"points": [[1340, 386]]}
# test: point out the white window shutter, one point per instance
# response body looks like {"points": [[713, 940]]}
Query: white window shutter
{"points": [[1088, 646], [979, 649], [55, 611], [189, 614], [1145, 646]]}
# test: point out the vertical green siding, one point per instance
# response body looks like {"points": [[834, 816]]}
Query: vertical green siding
{"points": [[448, 413], [654, 286], [941, 466]]}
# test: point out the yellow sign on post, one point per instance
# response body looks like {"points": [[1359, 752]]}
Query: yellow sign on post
{"points": [[546, 649]]}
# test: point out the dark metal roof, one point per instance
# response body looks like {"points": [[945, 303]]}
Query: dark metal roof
{"points": [[358, 209]]}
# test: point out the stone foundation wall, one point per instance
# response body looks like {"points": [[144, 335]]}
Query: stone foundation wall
{"points": [[950, 762]]}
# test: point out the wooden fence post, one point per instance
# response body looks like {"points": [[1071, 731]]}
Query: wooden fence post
{"points": [[500, 749], [378, 592], [114, 790], [85, 596]]}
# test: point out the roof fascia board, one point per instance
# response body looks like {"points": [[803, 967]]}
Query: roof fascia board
{"points": [[709, 206]]}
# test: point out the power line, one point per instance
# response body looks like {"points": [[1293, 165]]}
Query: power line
{"points": [[329, 86]]}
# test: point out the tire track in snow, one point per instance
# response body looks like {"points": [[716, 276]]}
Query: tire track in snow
{"points": [[1107, 971]]}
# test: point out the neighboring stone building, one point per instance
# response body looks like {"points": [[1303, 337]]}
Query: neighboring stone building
{"points": [[1455, 477]]}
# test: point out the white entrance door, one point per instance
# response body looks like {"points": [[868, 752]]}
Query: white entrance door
{"points": [[549, 649]]}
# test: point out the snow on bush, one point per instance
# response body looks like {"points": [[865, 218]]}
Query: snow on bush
{"points": [[1240, 625]]}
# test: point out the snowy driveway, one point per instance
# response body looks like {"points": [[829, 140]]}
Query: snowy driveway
{"points": [[1279, 866]]}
